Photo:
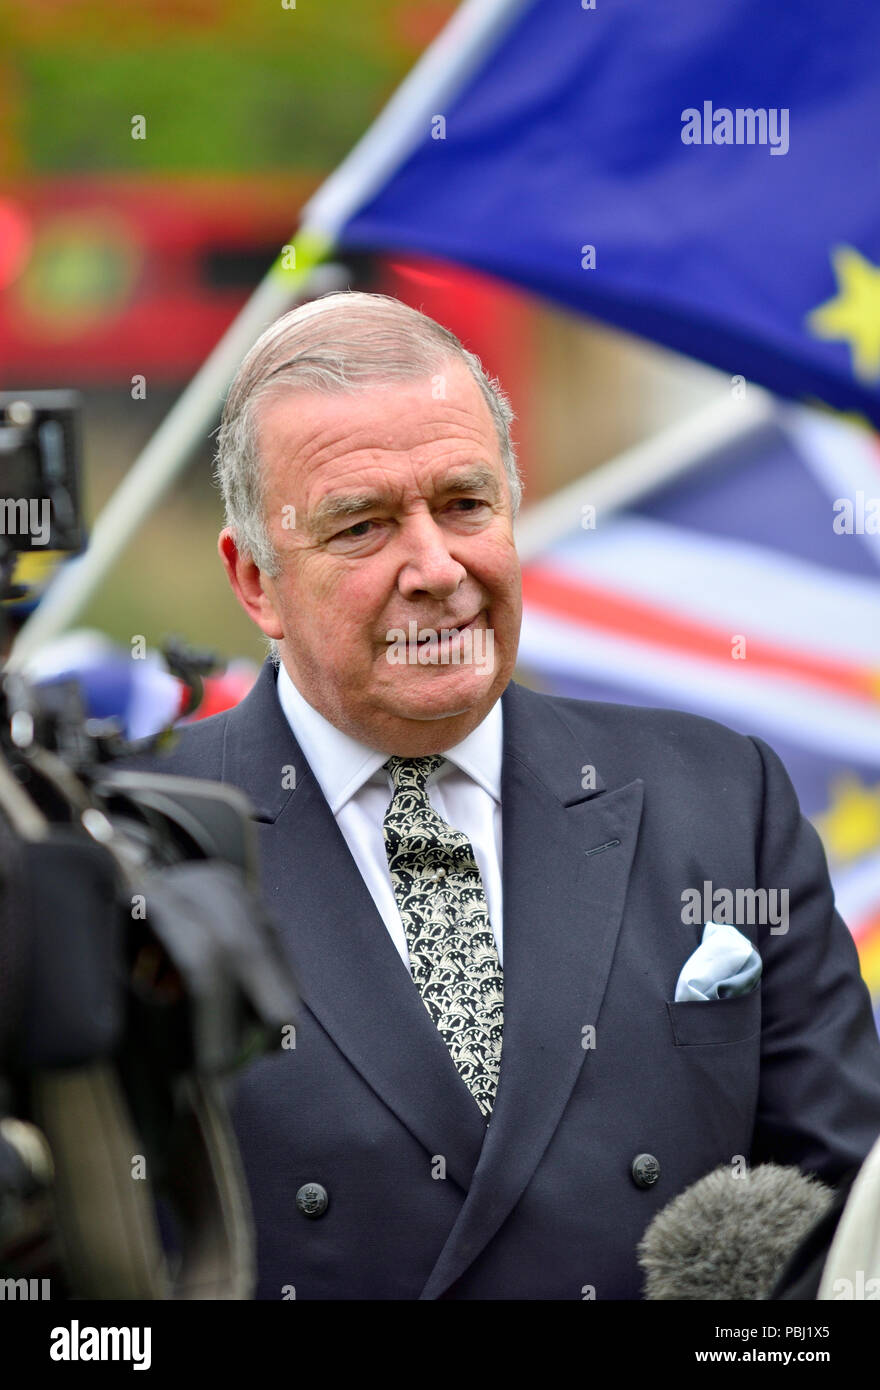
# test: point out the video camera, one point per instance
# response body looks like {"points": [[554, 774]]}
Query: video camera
{"points": [[138, 969]]}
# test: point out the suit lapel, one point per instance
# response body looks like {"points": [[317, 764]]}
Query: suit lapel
{"points": [[567, 853], [347, 969]]}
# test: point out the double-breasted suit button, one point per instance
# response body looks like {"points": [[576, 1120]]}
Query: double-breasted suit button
{"points": [[312, 1199], [645, 1170]]}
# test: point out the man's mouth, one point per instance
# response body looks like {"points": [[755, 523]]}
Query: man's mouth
{"points": [[418, 635], [469, 643], [432, 634]]}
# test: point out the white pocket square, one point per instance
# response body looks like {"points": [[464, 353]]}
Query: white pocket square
{"points": [[724, 964]]}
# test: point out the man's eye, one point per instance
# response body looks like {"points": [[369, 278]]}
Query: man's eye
{"points": [[469, 504], [357, 530]]}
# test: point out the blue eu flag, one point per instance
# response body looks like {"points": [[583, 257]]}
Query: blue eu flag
{"points": [[706, 176]]}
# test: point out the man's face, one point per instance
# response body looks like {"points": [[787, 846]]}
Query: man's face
{"points": [[402, 524]]}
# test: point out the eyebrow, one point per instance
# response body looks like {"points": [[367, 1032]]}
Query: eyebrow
{"points": [[349, 504]]}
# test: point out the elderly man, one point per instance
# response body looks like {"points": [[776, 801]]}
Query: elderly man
{"points": [[502, 1066]]}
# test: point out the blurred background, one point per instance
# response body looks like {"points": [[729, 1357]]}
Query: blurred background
{"points": [[730, 591], [122, 257]]}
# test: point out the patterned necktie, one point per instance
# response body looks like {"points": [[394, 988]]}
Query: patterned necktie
{"points": [[445, 916]]}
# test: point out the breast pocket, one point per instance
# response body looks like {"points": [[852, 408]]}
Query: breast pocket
{"points": [[700, 1023]]}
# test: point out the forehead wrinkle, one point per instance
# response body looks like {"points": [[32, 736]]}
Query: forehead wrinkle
{"points": [[311, 442], [305, 447], [459, 478]]}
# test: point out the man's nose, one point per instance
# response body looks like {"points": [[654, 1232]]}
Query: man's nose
{"points": [[427, 566]]}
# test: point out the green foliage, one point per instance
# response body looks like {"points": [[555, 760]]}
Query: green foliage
{"points": [[206, 110]]}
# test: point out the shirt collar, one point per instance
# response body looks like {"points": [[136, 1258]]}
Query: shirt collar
{"points": [[343, 764]]}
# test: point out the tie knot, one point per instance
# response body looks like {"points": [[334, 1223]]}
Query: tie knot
{"points": [[411, 774]]}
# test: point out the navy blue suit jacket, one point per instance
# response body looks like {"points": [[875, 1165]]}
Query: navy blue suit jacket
{"points": [[427, 1202]]}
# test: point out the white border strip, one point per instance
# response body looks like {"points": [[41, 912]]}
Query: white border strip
{"points": [[687, 444], [843, 458], [726, 585], [777, 707]]}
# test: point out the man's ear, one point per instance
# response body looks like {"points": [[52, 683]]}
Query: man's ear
{"points": [[247, 583]]}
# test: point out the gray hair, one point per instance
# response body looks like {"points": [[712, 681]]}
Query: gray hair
{"points": [[343, 342]]}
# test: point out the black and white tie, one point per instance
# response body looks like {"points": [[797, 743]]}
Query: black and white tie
{"points": [[444, 912]]}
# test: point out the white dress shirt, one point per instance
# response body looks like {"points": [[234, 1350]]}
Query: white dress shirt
{"points": [[466, 792]]}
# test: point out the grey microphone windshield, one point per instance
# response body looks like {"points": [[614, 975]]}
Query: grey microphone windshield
{"points": [[729, 1235]]}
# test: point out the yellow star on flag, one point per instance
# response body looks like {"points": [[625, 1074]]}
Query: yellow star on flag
{"points": [[854, 312], [850, 827]]}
